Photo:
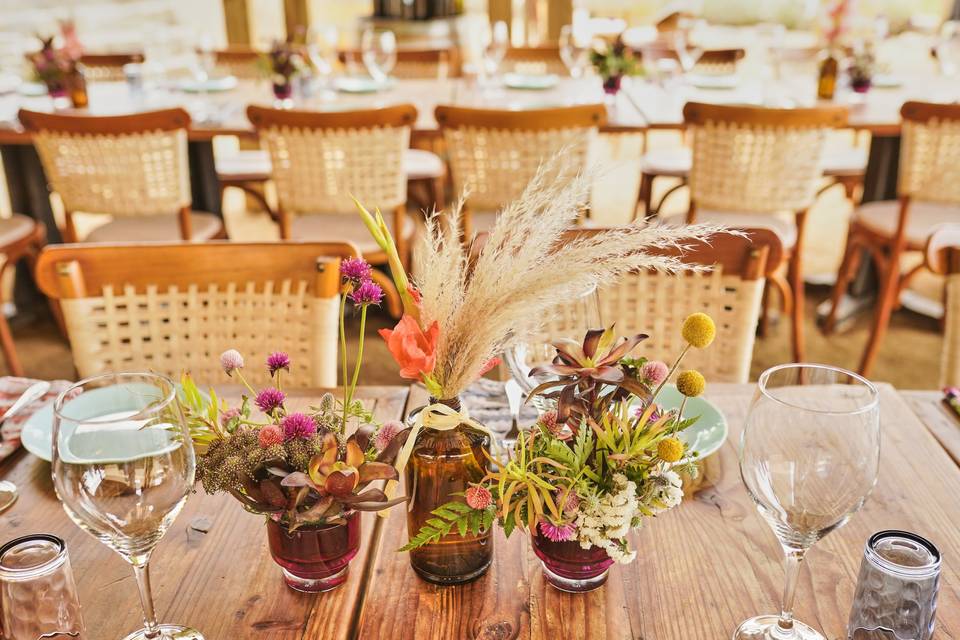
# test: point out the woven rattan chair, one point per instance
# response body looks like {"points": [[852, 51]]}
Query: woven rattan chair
{"points": [[173, 308], [132, 167], [656, 303], [494, 154], [321, 160], [929, 189], [711, 61], [757, 167], [107, 67], [20, 237], [534, 61], [942, 255]]}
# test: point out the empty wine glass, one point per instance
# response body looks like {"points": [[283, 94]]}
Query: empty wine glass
{"points": [[948, 48], [809, 455], [379, 51], [123, 464], [495, 47], [687, 53], [573, 51], [322, 49], [566, 321]]}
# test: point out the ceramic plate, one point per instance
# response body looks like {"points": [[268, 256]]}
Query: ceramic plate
{"points": [[701, 81], [359, 84], [887, 81], [707, 434], [37, 433], [32, 89], [211, 85], [9, 82], [531, 82]]}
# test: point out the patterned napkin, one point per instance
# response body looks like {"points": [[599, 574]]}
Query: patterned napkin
{"points": [[10, 389]]}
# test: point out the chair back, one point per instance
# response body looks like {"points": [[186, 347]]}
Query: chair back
{"points": [[710, 62], [320, 159], [127, 165], [535, 61], [930, 152], [943, 258], [657, 303], [107, 67], [172, 308], [494, 154], [755, 159], [425, 64], [240, 62]]}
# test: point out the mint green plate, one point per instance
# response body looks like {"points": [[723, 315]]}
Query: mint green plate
{"points": [[706, 435], [530, 82]]}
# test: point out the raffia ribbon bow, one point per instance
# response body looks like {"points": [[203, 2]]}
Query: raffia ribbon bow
{"points": [[436, 416]]}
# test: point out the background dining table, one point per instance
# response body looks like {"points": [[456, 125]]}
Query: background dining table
{"points": [[700, 570]]}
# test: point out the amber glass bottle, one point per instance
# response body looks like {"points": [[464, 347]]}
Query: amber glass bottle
{"points": [[442, 464], [827, 81], [77, 84]]}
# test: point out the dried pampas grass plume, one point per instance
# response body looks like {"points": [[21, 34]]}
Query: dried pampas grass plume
{"points": [[526, 265]]}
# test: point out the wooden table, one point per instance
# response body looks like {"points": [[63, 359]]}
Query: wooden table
{"points": [[942, 422], [701, 568]]}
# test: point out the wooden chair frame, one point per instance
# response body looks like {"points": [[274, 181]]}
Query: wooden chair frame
{"points": [[942, 257], [77, 271], [829, 117], [885, 250], [83, 125], [27, 247]]}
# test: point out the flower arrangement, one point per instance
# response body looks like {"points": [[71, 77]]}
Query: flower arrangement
{"points": [[55, 67], [298, 468], [861, 70], [613, 61], [607, 457], [281, 64], [836, 19]]}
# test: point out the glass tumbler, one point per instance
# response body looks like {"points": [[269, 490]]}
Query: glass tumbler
{"points": [[896, 597], [38, 598]]}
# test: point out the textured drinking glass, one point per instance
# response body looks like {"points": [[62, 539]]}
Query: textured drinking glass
{"points": [[379, 51], [123, 464], [896, 597], [38, 598], [809, 455]]}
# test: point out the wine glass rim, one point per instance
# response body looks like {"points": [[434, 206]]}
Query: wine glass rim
{"points": [[871, 388], [66, 394]]}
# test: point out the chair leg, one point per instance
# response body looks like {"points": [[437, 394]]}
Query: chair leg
{"points": [[393, 303], [9, 351], [887, 300], [437, 192], [848, 267], [763, 328], [646, 194], [795, 278]]}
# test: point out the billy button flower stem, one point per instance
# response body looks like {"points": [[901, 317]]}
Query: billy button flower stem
{"points": [[347, 287]]}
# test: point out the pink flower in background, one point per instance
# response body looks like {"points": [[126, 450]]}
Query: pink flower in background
{"points": [[355, 270], [298, 425], [367, 293], [228, 415], [655, 372], [269, 400], [270, 435], [276, 361], [387, 432], [231, 360], [489, 365], [478, 497], [572, 502], [558, 532]]}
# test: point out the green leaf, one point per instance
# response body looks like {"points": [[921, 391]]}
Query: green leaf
{"points": [[446, 517], [509, 524]]}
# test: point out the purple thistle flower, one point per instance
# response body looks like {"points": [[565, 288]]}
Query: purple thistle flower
{"points": [[298, 425], [231, 360], [270, 399], [276, 361], [355, 270], [558, 532], [367, 293]]}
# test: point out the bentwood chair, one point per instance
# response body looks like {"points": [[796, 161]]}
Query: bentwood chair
{"points": [[942, 256], [174, 308], [710, 62], [758, 167], [494, 154], [656, 303], [321, 160], [928, 185], [131, 167], [20, 237], [107, 67]]}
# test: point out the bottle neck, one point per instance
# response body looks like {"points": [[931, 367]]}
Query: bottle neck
{"points": [[453, 403]]}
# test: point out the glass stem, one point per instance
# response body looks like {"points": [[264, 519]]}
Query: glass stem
{"points": [[792, 562], [141, 568]]}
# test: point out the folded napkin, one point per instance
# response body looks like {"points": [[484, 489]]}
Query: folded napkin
{"points": [[12, 388]]}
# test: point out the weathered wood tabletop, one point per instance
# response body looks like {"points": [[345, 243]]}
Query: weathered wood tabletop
{"points": [[701, 568], [942, 422]]}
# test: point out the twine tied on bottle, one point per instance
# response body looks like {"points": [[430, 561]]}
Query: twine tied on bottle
{"points": [[436, 416]]}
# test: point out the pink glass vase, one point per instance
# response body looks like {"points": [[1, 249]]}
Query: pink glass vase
{"points": [[569, 567], [315, 558]]}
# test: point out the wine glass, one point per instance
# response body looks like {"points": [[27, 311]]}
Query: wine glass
{"points": [[809, 455], [495, 48], [123, 464], [687, 53], [322, 50], [570, 321], [948, 48], [379, 52], [573, 51]]}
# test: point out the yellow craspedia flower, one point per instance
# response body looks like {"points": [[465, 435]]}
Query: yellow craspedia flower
{"points": [[670, 449], [699, 330], [691, 383]]}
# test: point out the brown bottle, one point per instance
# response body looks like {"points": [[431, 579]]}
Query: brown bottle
{"points": [[444, 463], [827, 81], [77, 84]]}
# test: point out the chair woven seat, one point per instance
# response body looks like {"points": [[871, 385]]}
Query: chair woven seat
{"points": [[419, 164], [342, 227], [252, 164], [882, 217], [15, 228], [157, 228], [779, 223], [675, 162]]}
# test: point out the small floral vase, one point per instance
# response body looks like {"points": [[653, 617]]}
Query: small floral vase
{"points": [[861, 86], [569, 567], [611, 85], [315, 558], [283, 92], [59, 96]]}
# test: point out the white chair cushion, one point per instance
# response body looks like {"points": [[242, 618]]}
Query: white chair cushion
{"points": [[674, 162], [844, 162], [254, 162], [421, 165], [882, 217], [342, 227], [159, 228], [781, 224], [15, 228]]}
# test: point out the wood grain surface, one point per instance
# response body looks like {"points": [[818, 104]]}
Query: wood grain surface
{"points": [[222, 582], [939, 419], [701, 569]]}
